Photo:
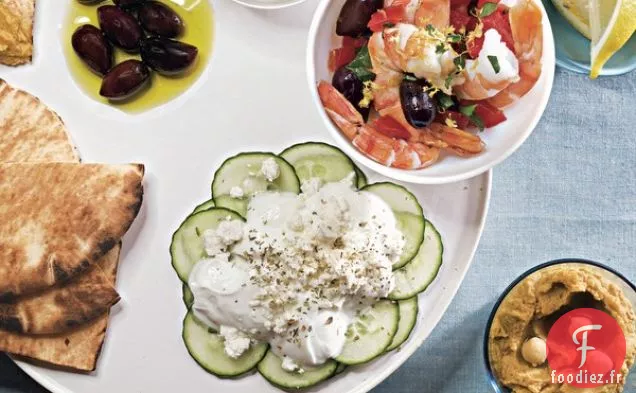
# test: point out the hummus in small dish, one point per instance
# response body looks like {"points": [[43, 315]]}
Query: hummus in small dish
{"points": [[516, 349]]}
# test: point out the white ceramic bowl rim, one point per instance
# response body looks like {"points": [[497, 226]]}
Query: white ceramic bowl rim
{"points": [[274, 5], [420, 176]]}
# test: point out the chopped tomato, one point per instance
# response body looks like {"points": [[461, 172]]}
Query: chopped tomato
{"points": [[459, 118], [388, 126], [490, 115], [341, 57], [499, 21], [346, 53], [354, 42], [460, 3], [480, 3], [386, 16], [460, 18]]}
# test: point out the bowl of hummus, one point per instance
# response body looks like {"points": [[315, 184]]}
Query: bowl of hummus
{"points": [[516, 340]]}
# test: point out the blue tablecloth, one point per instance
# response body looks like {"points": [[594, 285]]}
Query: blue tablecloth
{"points": [[570, 191]]}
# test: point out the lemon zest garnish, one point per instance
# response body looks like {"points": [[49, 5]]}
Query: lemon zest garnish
{"points": [[450, 122], [477, 33], [367, 94]]}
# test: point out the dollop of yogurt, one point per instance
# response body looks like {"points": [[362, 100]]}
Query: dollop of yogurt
{"points": [[298, 271]]}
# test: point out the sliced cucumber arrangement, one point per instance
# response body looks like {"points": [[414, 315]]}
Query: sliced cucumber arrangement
{"points": [[320, 160], [204, 206], [371, 334], [188, 296], [244, 172], [416, 276], [384, 327], [187, 246], [409, 216], [207, 348], [362, 178], [408, 318], [271, 368]]}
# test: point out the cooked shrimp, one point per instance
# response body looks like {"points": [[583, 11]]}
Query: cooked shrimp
{"points": [[527, 32], [424, 12], [413, 50], [387, 75], [438, 135], [481, 80], [398, 153]]}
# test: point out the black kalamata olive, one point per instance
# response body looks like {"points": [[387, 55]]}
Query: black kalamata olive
{"points": [[159, 19], [355, 16], [125, 80], [89, 1], [93, 48], [120, 27], [166, 56], [348, 83], [417, 105], [126, 4]]}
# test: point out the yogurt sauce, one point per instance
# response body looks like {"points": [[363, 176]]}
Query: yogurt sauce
{"points": [[298, 271]]}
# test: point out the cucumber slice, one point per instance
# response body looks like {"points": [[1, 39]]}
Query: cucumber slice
{"points": [[244, 171], [341, 368], [319, 160], [271, 368], [362, 178], [238, 205], [408, 318], [371, 334], [422, 270], [208, 349], [187, 246], [204, 206], [409, 216], [188, 296]]}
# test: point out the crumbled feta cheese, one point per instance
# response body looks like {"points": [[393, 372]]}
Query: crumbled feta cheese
{"points": [[218, 240], [270, 169], [342, 245], [290, 365], [237, 192], [236, 342]]}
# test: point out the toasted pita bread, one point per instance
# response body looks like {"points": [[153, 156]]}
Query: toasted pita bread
{"points": [[77, 349], [57, 219], [61, 308], [30, 131], [16, 31]]}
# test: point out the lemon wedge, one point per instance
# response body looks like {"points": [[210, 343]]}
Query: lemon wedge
{"points": [[577, 13], [612, 23]]}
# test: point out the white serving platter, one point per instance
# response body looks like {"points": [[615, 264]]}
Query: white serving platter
{"points": [[254, 96]]}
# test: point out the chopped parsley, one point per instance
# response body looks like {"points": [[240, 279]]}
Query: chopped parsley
{"points": [[444, 100], [487, 9], [494, 62], [468, 110], [460, 62], [361, 65]]}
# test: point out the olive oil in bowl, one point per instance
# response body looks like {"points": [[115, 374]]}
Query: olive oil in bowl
{"points": [[199, 30]]}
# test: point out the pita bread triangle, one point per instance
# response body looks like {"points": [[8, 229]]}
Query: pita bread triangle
{"points": [[57, 219], [79, 348]]}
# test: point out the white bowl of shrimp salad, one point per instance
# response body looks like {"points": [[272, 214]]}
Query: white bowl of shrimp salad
{"points": [[430, 91]]}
